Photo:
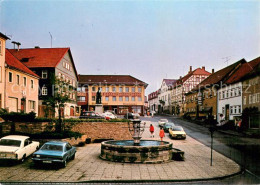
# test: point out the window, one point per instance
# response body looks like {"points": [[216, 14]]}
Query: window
{"points": [[44, 91], [93, 89], [239, 109], [223, 110], [197, 79], [239, 91], [133, 89], [64, 64], [24, 81], [10, 77], [18, 79], [258, 97], [219, 95], [114, 89], [114, 98], [107, 98], [107, 89], [120, 98], [231, 92], [127, 89], [133, 98], [139, 98], [126, 98], [250, 99], [59, 75], [139, 89], [244, 100], [44, 74], [32, 84], [120, 89], [227, 94], [223, 94], [93, 98], [81, 98], [31, 105], [231, 109]]}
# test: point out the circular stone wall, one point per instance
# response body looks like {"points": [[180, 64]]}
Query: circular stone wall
{"points": [[149, 151]]}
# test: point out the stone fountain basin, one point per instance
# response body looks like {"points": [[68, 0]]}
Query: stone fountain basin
{"points": [[148, 151]]}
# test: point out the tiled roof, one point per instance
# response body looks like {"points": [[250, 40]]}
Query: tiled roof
{"points": [[40, 57], [169, 82], [243, 70], [110, 79], [197, 71], [13, 62]]}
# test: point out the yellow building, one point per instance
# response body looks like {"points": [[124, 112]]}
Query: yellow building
{"points": [[21, 86], [120, 93]]}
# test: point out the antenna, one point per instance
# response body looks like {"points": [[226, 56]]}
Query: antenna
{"points": [[226, 59], [51, 39]]}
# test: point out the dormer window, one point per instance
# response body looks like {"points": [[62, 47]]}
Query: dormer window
{"points": [[44, 74]]}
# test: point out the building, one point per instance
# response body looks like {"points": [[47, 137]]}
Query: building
{"points": [[230, 94], [201, 101], [49, 63], [251, 96], [184, 85], [153, 101], [120, 93], [3, 39], [164, 95]]}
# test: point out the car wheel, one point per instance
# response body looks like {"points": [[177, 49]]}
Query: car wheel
{"points": [[73, 157], [64, 164], [23, 159]]}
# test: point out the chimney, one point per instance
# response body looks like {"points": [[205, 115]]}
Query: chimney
{"points": [[203, 68], [212, 71], [36, 47], [190, 68], [18, 45]]}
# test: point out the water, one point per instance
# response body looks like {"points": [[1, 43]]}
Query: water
{"points": [[142, 143]]}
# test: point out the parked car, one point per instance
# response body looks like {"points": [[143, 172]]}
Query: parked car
{"points": [[131, 116], [90, 115], [136, 115], [167, 126], [108, 115], [17, 147], [54, 152], [162, 122], [177, 132]]}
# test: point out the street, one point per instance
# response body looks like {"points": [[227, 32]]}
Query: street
{"points": [[244, 151]]}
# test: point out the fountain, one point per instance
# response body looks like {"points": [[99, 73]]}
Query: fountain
{"points": [[136, 150]]}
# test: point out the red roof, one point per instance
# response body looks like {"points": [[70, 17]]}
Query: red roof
{"points": [[198, 71], [40, 57], [243, 70], [13, 62], [110, 79]]}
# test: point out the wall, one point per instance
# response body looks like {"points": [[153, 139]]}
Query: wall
{"points": [[2, 72]]}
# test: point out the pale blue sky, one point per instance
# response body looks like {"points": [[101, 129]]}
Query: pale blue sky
{"points": [[150, 40]]}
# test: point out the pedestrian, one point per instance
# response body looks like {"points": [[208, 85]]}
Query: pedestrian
{"points": [[161, 134], [151, 130]]}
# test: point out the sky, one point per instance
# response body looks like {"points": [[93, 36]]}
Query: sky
{"points": [[149, 40]]}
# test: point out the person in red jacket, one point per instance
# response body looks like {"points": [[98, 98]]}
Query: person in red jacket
{"points": [[152, 130], [161, 134]]}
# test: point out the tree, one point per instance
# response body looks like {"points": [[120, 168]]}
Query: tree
{"points": [[60, 95]]}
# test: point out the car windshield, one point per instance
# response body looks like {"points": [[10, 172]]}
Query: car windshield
{"points": [[177, 128], [163, 120], [10, 142], [52, 147]]}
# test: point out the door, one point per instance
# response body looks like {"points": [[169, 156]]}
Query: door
{"points": [[23, 105], [71, 111], [13, 104], [227, 112]]}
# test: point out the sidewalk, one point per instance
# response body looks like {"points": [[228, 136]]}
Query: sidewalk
{"points": [[88, 167]]}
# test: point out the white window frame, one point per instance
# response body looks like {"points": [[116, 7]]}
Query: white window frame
{"points": [[44, 91], [44, 72]]}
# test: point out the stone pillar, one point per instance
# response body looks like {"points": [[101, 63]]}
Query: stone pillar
{"points": [[99, 109]]}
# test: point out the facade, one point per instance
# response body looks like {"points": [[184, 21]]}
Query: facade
{"points": [[153, 101], [201, 101], [3, 39], [49, 63], [251, 96], [164, 95], [184, 85], [120, 93]]}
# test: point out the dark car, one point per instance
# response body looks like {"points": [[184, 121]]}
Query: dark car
{"points": [[54, 152], [167, 126], [90, 115]]}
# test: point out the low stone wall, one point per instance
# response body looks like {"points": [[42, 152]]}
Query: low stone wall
{"points": [[93, 130], [103, 130]]}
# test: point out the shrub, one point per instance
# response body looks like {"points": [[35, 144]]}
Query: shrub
{"points": [[17, 116]]}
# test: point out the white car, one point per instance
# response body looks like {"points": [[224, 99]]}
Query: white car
{"points": [[162, 122], [17, 147], [109, 115]]}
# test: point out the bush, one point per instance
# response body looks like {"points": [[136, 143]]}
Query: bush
{"points": [[17, 116], [77, 120]]}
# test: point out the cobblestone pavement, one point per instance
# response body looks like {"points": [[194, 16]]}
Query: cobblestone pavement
{"points": [[87, 166]]}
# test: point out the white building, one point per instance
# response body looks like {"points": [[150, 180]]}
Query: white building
{"points": [[165, 95]]}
